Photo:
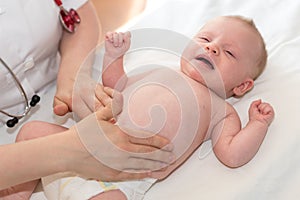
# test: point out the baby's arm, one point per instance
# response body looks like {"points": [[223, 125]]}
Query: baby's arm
{"points": [[235, 146], [116, 45]]}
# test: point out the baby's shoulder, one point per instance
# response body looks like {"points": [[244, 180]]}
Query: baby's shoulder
{"points": [[220, 108]]}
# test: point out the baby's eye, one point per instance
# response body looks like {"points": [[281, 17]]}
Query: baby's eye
{"points": [[204, 39], [230, 53]]}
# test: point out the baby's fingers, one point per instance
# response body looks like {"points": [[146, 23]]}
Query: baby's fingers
{"points": [[115, 38], [127, 35], [118, 39], [109, 36], [254, 107], [255, 104], [265, 108], [266, 112]]}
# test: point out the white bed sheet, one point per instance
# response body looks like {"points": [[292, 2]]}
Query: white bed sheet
{"points": [[274, 172]]}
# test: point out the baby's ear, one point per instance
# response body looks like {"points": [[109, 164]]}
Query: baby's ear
{"points": [[244, 87]]}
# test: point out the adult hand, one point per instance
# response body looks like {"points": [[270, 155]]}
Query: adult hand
{"points": [[82, 97], [77, 58], [119, 155], [106, 164]]}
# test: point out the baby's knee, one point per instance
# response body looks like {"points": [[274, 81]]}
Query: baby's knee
{"points": [[28, 131]]}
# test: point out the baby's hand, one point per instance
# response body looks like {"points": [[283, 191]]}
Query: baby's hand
{"points": [[116, 44], [261, 111]]}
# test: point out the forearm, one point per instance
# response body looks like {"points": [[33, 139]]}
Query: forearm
{"points": [[244, 145], [32, 159], [113, 74], [75, 47]]}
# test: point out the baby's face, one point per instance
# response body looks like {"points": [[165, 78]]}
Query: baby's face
{"points": [[224, 49]]}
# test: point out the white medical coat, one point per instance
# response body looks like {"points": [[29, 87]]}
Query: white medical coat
{"points": [[30, 32]]}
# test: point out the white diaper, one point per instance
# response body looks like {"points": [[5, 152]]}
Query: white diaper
{"points": [[66, 187], [135, 190]]}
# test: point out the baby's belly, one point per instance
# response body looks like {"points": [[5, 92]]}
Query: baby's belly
{"points": [[173, 113], [151, 108]]}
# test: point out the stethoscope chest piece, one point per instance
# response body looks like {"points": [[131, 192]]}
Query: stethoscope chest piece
{"points": [[68, 19]]}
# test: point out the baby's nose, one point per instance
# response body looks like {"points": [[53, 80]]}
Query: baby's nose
{"points": [[212, 49]]}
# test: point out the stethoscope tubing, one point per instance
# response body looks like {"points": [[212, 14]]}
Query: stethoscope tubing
{"points": [[68, 19], [22, 92]]}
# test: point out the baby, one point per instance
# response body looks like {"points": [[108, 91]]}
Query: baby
{"points": [[223, 60], [188, 106]]}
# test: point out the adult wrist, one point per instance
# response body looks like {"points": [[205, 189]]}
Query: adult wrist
{"points": [[70, 146]]}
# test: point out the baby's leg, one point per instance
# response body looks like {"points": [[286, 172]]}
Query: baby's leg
{"points": [[29, 131], [37, 129], [19, 192], [109, 195]]}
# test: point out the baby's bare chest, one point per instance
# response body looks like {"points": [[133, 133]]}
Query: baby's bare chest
{"points": [[168, 104]]}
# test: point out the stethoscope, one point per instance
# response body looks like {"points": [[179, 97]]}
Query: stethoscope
{"points": [[68, 19], [34, 100]]}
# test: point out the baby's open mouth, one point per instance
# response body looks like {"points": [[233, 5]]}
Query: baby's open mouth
{"points": [[206, 61]]}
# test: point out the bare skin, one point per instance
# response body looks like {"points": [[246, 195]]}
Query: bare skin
{"points": [[217, 121], [233, 145], [54, 155]]}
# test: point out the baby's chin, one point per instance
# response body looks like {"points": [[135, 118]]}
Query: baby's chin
{"points": [[192, 73]]}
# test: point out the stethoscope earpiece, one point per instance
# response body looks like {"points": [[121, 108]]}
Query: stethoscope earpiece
{"points": [[12, 122], [34, 100]]}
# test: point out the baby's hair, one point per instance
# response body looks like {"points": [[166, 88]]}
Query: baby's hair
{"points": [[262, 61]]}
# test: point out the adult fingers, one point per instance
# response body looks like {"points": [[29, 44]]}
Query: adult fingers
{"points": [[102, 98], [122, 176], [105, 114], [156, 141], [117, 101], [134, 164], [60, 107], [80, 107]]}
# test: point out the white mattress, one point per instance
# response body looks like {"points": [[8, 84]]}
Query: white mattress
{"points": [[274, 172]]}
